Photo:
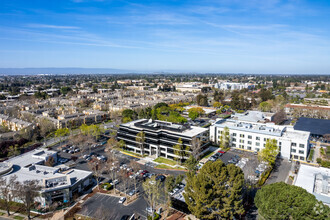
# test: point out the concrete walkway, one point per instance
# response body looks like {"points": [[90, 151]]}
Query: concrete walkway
{"points": [[317, 153]]}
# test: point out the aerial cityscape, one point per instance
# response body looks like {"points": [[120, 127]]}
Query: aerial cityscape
{"points": [[176, 110]]}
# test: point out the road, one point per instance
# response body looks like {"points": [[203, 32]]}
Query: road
{"points": [[280, 172]]}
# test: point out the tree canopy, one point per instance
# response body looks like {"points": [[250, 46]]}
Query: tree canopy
{"points": [[283, 201], [216, 191], [270, 151]]}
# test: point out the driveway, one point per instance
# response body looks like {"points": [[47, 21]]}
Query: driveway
{"points": [[280, 172]]}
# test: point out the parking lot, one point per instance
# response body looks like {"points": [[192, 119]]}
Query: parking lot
{"points": [[101, 206]]}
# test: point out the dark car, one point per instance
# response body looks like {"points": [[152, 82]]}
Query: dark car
{"points": [[161, 178], [125, 217]]}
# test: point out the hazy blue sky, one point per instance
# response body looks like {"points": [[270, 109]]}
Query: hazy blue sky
{"points": [[251, 36]]}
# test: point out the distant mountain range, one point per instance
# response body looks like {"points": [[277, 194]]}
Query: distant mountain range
{"points": [[73, 70]]}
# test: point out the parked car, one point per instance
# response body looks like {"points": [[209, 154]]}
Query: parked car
{"points": [[131, 193], [122, 200], [76, 150], [125, 217], [161, 178], [149, 210], [115, 182], [221, 152]]}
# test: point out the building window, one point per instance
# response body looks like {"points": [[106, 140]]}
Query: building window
{"points": [[301, 152], [295, 157], [241, 146], [302, 158], [301, 145], [241, 135], [250, 142], [293, 145], [241, 141], [257, 144], [258, 138], [249, 148], [234, 139], [280, 143], [234, 145], [293, 150], [234, 134], [250, 136], [257, 149]]}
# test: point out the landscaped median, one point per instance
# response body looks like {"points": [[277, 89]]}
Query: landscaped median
{"points": [[130, 153]]}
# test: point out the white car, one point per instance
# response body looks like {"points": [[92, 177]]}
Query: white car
{"points": [[149, 210], [122, 200], [115, 182]]}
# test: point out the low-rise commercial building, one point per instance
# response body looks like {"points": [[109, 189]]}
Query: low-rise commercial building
{"points": [[316, 180], [161, 136], [58, 184], [253, 136]]}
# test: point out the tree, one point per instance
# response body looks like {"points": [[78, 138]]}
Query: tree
{"points": [[180, 150], [225, 138], [191, 163], [61, 132], [152, 192], [217, 105], [195, 112], [196, 147], [135, 166], [279, 117], [121, 144], [13, 151], [283, 201], [216, 191], [270, 151], [50, 161], [140, 139], [265, 106], [8, 191], [97, 168], [27, 193], [202, 100], [45, 126]]}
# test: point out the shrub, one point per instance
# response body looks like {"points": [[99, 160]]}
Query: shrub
{"points": [[264, 176], [106, 186], [156, 216], [318, 160], [322, 151]]}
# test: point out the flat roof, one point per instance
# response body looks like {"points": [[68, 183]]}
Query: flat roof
{"points": [[316, 180], [177, 129], [28, 166], [314, 126]]}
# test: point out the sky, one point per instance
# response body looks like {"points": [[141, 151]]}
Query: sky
{"points": [[222, 36]]}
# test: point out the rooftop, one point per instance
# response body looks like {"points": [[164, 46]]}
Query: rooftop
{"points": [[185, 130], [314, 126], [29, 166], [316, 180]]}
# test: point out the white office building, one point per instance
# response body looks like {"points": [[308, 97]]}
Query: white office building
{"points": [[233, 86], [252, 136]]}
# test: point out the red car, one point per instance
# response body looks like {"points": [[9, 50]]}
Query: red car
{"points": [[144, 172], [221, 151]]}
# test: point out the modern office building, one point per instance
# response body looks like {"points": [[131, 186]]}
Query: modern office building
{"points": [[253, 136], [160, 137], [58, 184]]}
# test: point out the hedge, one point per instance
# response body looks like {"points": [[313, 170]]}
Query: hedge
{"points": [[264, 176]]}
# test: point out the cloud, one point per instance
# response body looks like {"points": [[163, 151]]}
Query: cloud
{"points": [[48, 26]]}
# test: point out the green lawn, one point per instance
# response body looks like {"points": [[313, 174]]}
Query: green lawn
{"points": [[310, 157], [19, 217], [166, 161], [129, 152], [161, 166], [206, 155]]}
